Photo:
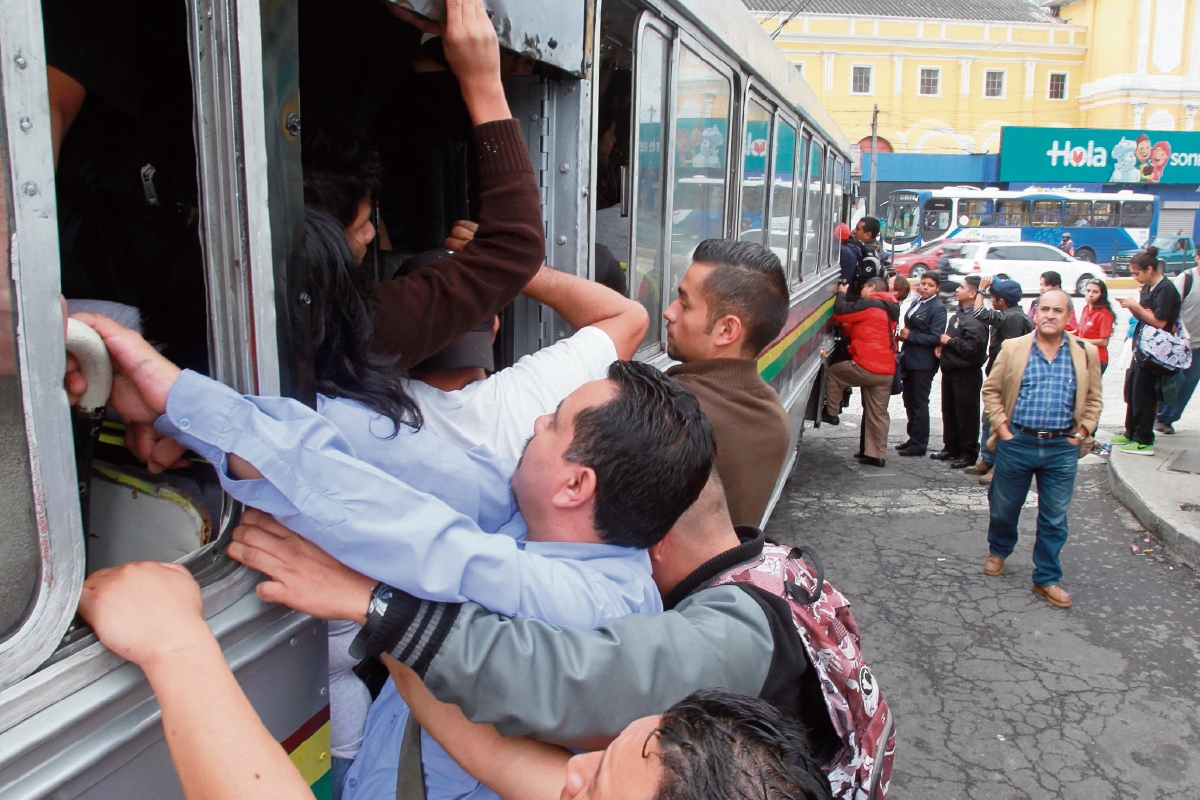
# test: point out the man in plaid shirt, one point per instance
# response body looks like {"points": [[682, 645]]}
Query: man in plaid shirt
{"points": [[1043, 399]]}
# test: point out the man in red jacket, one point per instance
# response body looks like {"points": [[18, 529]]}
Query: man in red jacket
{"points": [[869, 323]]}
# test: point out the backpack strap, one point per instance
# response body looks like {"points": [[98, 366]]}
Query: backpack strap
{"points": [[799, 593], [1188, 280]]}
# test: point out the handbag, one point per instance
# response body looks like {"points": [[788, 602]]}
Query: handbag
{"points": [[897, 381], [1164, 352]]}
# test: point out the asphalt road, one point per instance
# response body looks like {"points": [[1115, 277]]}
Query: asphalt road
{"points": [[998, 695]]}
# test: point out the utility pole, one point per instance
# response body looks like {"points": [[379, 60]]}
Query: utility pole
{"points": [[874, 147]]}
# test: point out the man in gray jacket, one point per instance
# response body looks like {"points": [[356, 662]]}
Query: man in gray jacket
{"points": [[574, 686]]}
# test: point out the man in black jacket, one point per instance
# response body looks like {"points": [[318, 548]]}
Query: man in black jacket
{"points": [[1007, 321], [924, 325], [963, 351]]}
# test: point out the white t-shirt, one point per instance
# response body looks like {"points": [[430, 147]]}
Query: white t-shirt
{"points": [[1189, 312], [499, 412]]}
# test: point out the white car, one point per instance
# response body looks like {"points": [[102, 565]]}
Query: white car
{"points": [[1024, 262]]}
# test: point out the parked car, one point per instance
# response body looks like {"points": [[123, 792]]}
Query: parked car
{"points": [[924, 259], [1175, 254], [1023, 262]]}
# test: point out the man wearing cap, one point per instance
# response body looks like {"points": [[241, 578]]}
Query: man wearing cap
{"points": [[849, 253], [1006, 321], [963, 351], [1066, 245]]}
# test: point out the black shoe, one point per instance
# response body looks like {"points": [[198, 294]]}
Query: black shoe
{"points": [[860, 455], [905, 446], [913, 451], [943, 455], [873, 462], [962, 463], [828, 420]]}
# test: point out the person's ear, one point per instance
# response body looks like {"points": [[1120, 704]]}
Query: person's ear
{"points": [[727, 331], [661, 551], [578, 489]]}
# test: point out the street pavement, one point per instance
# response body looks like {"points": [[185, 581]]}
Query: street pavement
{"points": [[997, 694]]}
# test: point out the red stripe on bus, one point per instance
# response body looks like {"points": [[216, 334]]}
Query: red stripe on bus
{"points": [[306, 730]]}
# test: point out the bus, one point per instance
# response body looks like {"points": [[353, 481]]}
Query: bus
{"points": [[1100, 223], [712, 127]]}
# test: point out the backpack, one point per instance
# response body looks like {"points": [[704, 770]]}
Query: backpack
{"points": [[869, 266], [862, 768]]}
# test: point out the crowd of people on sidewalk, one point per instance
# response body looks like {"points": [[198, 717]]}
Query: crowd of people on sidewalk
{"points": [[1037, 376]]}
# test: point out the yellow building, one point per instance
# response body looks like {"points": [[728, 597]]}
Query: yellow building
{"points": [[948, 74]]}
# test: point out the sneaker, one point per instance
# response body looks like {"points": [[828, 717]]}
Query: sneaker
{"points": [[1137, 449], [1119, 440], [1164, 427]]}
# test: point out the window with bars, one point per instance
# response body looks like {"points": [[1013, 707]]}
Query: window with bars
{"points": [[860, 79], [930, 82], [993, 83], [1058, 86]]}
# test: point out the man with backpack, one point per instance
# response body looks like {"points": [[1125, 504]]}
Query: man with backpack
{"points": [[1007, 321], [863, 239], [1185, 380], [740, 614]]}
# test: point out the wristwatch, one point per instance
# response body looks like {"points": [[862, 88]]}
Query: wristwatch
{"points": [[381, 597]]}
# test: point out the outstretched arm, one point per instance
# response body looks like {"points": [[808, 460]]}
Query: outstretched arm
{"points": [[151, 614], [516, 768], [582, 303]]}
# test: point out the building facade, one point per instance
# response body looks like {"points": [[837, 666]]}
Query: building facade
{"points": [[947, 75]]}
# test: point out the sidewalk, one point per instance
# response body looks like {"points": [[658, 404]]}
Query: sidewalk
{"points": [[1163, 490]]}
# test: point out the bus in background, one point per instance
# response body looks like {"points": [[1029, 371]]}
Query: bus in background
{"points": [[1100, 223]]}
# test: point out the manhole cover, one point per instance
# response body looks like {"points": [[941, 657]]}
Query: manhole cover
{"points": [[1187, 461]]}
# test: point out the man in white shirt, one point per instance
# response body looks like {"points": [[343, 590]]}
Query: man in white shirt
{"points": [[1188, 285]]}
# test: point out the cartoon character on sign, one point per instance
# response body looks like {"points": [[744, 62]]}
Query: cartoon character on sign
{"points": [[1158, 160], [1125, 156], [1143, 156], [709, 154]]}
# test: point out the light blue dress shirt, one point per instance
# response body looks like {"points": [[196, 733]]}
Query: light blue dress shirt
{"points": [[413, 511]]}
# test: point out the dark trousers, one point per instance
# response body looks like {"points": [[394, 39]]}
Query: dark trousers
{"points": [[960, 411], [1141, 403], [917, 383]]}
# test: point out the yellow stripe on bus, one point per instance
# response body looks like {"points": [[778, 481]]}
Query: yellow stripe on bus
{"points": [[312, 756], [780, 350]]}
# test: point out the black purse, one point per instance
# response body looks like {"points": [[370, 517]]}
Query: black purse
{"points": [[897, 381]]}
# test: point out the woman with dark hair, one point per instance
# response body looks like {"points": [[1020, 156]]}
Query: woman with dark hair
{"points": [[1158, 306], [1097, 319]]}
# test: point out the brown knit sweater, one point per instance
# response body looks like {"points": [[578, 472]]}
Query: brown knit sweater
{"points": [[750, 426], [424, 311]]}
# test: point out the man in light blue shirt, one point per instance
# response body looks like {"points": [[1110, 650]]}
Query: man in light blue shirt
{"points": [[603, 477]]}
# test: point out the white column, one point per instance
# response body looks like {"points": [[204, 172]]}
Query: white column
{"points": [[1194, 65], [828, 56], [1143, 38], [1030, 76], [964, 69], [1191, 116], [1138, 110], [897, 74]]}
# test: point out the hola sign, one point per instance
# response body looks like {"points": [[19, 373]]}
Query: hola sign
{"points": [[1099, 155]]}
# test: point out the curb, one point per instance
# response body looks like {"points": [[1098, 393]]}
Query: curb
{"points": [[1121, 283], [1182, 545]]}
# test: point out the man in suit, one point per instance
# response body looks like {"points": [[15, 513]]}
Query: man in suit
{"points": [[924, 325]]}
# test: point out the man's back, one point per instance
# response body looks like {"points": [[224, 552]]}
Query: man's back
{"points": [[750, 426]]}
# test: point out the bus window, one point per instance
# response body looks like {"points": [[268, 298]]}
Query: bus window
{"points": [[835, 210], [755, 158], [975, 213], [812, 208], [826, 212], [938, 211], [1012, 213], [782, 189], [1137, 213], [1077, 214], [1047, 213], [799, 236], [702, 104], [646, 277], [1104, 214], [614, 134]]}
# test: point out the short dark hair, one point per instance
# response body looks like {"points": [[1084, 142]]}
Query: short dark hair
{"points": [[878, 284], [340, 168], [746, 281], [715, 745], [931, 276], [1052, 279], [651, 448], [870, 225]]}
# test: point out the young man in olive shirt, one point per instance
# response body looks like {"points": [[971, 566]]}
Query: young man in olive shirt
{"points": [[732, 303]]}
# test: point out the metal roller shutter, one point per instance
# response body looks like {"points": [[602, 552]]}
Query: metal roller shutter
{"points": [[1176, 219]]}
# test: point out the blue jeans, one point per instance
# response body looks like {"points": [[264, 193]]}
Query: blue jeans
{"points": [[985, 431], [1053, 462], [1185, 384], [339, 767]]}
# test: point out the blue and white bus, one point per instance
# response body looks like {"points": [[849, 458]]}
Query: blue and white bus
{"points": [[1100, 223]]}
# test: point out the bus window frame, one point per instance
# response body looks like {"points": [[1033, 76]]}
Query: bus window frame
{"points": [[1057, 223], [752, 95], [829, 256], [794, 124], [1023, 215], [989, 214], [33, 246], [1076, 224], [815, 141], [1149, 220], [1113, 217], [804, 138]]}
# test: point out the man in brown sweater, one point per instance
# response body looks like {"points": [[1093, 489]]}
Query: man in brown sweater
{"points": [[732, 303]]}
